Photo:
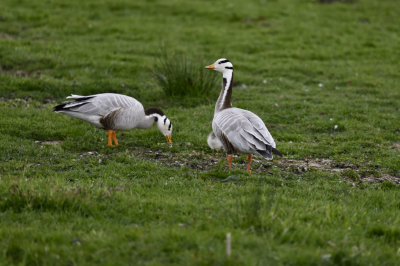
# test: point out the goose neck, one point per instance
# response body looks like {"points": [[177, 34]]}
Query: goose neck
{"points": [[147, 121], [224, 99]]}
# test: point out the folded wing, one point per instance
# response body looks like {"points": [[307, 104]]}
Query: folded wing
{"points": [[99, 104], [245, 131]]}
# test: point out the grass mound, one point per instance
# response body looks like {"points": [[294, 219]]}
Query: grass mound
{"points": [[179, 76]]}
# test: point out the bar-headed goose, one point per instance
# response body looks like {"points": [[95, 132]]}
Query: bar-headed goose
{"points": [[114, 112], [239, 130], [213, 142]]}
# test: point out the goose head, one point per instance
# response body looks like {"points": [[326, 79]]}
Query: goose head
{"points": [[221, 65], [165, 127]]}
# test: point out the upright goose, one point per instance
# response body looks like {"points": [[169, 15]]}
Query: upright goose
{"points": [[114, 112], [239, 130]]}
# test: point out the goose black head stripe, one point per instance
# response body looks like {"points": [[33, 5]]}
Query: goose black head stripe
{"points": [[223, 61], [154, 110]]}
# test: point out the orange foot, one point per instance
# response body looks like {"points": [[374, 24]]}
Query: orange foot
{"points": [[110, 133], [114, 135], [248, 167]]}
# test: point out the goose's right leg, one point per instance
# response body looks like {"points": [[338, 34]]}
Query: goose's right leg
{"points": [[110, 134], [114, 135], [248, 167]]}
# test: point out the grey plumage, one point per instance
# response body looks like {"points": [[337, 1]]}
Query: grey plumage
{"points": [[114, 112], [239, 130], [107, 110], [213, 142], [245, 132]]}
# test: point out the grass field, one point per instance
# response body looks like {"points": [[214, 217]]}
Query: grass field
{"points": [[302, 66]]}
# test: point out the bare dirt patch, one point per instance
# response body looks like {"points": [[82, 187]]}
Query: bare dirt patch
{"points": [[371, 179], [199, 161], [205, 162], [396, 146]]}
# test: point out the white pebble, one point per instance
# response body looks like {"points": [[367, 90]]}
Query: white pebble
{"points": [[326, 256]]}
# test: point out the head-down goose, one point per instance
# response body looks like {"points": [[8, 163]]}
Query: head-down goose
{"points": [[239, 130], [114, 112]]}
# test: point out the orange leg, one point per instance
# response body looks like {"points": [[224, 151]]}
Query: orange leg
{"points": [[248, 167], [109, 137], [230, 161], [114, 135]]}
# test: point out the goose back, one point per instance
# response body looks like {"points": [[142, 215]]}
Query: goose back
{"points": [[107, 110], [242, 131]]}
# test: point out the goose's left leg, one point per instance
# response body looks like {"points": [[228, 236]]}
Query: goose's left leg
{"points": [[230, 161], [114, 135], [248, 167]]}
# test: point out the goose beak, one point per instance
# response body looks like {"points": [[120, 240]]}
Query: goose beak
{"points": [[210, 66], [168, 139]]}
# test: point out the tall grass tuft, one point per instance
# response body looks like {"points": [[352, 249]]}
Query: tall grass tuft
{"points": [[181, 77]]}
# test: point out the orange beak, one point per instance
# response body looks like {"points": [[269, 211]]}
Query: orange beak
{"points": [[210, 66], [168, 139]]}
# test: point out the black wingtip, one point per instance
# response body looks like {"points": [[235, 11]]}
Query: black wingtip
{"points": [[59, 108], [266, 154], [277, 152]]}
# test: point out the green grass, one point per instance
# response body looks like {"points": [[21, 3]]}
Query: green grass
{"points": [[180, 77], [80, 202]]}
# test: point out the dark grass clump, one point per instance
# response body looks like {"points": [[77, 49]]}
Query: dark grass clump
{"points": [[179, 76], [349, 173]]}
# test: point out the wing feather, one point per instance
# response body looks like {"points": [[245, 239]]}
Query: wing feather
{"points": [[244, 130], [100, 104]]}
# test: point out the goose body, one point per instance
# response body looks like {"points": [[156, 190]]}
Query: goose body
{"points": [[115, 112], [237, 129]]}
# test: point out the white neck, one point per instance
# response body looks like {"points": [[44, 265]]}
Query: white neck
{"points": [[227, 75], [147, 121]]}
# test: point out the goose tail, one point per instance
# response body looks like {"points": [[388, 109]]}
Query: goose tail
{"points": [[277, 152]]}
